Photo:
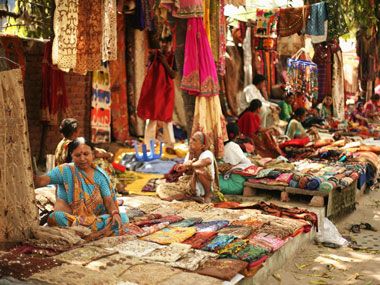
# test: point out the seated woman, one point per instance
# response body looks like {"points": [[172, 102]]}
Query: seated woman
{"points": [[102, 158], [84, 195], [371, 109], [325, 109], [286, 107], [233, 154], [199, 182], [358, 116], [295, 130], [249, 123]]}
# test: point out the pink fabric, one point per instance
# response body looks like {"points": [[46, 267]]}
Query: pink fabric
{"points": [[285, 177], [199, 70], [249, 171], [267, 241]]}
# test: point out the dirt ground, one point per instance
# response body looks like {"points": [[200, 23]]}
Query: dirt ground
{"points": [[320, 265]]}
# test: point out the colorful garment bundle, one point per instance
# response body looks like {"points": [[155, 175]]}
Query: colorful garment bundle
{"points": [[169, 219], [292, 20], [239, 232], [211, 226], [266, 241], [232, 249], [224, 269], [171, 253], [199, 240], [170, 235], [187, 222], [250, 253], [303, 77], [265, 31], [252, 170], [219, 242], [253, 223]]}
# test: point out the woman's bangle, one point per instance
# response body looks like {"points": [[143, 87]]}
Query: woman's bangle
{"points": [[115, 212]]}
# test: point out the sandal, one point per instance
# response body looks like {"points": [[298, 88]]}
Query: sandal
{"points": [[355, 229], [368, 227], [331, 245]]}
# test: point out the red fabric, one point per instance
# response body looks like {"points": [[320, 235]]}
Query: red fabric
{"points": [[118, 79], [200, 239], [227, 205], [54, 98], [157, 94], [295, 143], [249, 124]]}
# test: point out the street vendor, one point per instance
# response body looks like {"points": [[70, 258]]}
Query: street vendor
{"points": [[371, 109], [84, 194], [325, 109], [199, 182], [286, 107], [295, 129]]}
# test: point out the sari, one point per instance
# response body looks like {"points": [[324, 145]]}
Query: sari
{"points": [[84, 195]]}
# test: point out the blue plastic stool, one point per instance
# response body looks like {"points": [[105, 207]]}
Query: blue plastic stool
{"points": [[145, 156]]}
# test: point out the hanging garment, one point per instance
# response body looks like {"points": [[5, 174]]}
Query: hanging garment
{"points": [[292, 20], [318, 16], [209, 119], [323, 58], [19, 212], [118, 78], [335, 16], [287, 46], [199, 71], [101, 106], [247, 49], [184, 8], [234, 77], [54, 98], [157, 94], [13, 50], [265, 31], [110, 37], [338, 85]]}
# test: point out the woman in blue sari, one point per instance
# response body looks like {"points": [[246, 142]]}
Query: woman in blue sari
{"points": [[84, 195]]}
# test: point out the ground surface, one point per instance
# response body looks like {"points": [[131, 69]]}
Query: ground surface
{"points": [[320, 265]]}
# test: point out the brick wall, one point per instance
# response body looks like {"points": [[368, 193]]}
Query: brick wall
{"points": [[78, 88]]}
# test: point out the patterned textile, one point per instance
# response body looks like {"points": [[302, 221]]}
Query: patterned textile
{"points": [[232, 248], [252, 222], [318, 16], [267, 21], [224, 269], [337, 22], [323, 58], [118, 78], [54, 99], [338, 85], [292, 20], [236, 231], [83, 255], [13, 49], [85, 34], [219, 242], [250, 253], [22, 266], [199, 71], [268, 242], [170, 235], [169, 219], [184, 8], [199, 240], [208, 118], [19, 212], [153, 228], [84, 195], [187, 278], [171, 253], [187, 223], [193, 260], [136, 248], [211, 226]]}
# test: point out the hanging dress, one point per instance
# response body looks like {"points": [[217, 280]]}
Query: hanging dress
{"points": [[157, 94]]}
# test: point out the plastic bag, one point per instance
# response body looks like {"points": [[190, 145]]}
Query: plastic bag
{"points": [[329, 233]]}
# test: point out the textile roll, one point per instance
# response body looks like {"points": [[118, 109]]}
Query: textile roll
{"points": [[303, 182], [293, 183], [18, 211], [313, 183], [326, 187]]}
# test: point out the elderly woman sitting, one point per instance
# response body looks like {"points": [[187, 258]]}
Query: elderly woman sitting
{"points": [[199, 182], [84, 196]]}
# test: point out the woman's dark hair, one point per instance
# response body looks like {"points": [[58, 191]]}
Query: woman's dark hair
{"points": [[68, 126], [232, 131], [258, 78], [297, 113], [253, 106], [74, 144]]}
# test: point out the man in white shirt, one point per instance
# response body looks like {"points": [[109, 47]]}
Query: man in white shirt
{"points": [[257, 90]]}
